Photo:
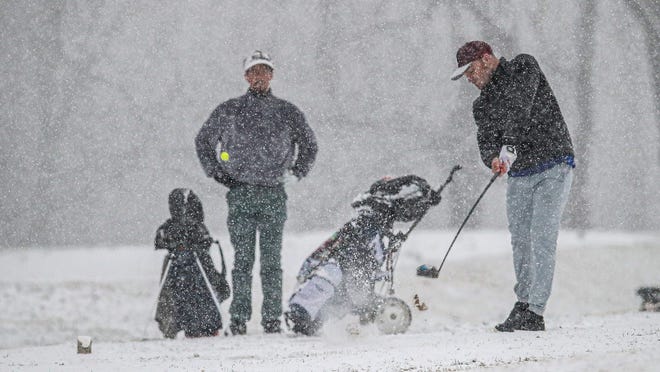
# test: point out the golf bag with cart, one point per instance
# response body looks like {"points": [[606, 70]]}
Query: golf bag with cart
{"points": [[339, 277], [191, 289]]}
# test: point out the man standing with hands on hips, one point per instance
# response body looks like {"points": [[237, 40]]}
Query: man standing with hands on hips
{"points": [[254, 144], [521, 131]]}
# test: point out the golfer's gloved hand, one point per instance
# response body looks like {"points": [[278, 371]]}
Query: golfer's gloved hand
{"points": [[508, 156]]}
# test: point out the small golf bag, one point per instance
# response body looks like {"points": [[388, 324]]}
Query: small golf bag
{"points": [[650, 298], [340, 276], [191, 288]]}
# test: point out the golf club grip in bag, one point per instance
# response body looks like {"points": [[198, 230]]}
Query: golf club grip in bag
{"points": [[435, 200]]}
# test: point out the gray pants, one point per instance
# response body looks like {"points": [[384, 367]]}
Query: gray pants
{"points": [[534, 207]]}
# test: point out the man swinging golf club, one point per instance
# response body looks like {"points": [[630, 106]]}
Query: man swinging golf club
{"points": [[521, 131]]}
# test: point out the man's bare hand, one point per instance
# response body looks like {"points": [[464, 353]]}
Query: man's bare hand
{"points": [[498, 166]]}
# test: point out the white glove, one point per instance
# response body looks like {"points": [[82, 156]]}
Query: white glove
{"points": [[508, 155]]}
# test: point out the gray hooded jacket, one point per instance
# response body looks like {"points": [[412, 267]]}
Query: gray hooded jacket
{"points": [[260, 134]]}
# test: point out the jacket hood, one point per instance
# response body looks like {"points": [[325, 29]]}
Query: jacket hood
{"points": [[186, 206]]}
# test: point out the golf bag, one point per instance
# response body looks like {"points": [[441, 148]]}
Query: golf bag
{"points": [[191, 288], [650, 298], [340, 276]]}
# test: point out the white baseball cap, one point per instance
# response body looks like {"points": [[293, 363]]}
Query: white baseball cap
{"points": [[257, 58]]}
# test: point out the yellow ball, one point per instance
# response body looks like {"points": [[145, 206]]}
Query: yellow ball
{"points": [[224, 156]]}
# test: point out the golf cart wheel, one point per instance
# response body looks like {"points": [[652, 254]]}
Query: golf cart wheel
{"points": [[393, 316]]}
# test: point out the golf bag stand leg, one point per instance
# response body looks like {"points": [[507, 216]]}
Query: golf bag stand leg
{"points": [[154, 308], [170, 257], [208, 283]]}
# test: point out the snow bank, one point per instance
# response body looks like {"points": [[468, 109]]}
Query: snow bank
{"points": [[50, 296]]}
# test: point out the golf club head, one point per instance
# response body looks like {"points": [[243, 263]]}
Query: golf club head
{"points": [[426, 271]]}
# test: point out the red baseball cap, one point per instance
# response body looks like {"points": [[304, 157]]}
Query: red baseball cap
{"points": [[468, 53]]}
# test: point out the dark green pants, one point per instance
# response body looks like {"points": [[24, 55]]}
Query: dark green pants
{"points": [[256, 210]]}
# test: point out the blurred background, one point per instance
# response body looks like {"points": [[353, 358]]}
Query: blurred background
{"points": [[100, 102]]}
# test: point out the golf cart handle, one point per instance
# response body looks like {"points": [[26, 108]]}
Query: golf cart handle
{"points": [[435, 194]]}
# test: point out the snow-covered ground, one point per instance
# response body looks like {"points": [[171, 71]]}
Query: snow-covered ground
{"points": [[50, 296]]}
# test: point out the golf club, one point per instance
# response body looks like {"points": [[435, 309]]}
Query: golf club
{"points": [[432, 272]]}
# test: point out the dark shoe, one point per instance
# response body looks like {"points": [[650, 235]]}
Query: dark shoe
{"points": [[515, 318], [237, 328], [299, 321], [532, 322], [272, 326], [202, 333]]}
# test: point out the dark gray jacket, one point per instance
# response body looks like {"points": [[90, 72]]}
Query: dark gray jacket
{"points": [[261, 134], [517, 107]]}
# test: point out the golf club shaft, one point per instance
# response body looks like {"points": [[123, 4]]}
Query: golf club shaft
{"points": [[492, 179]]}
